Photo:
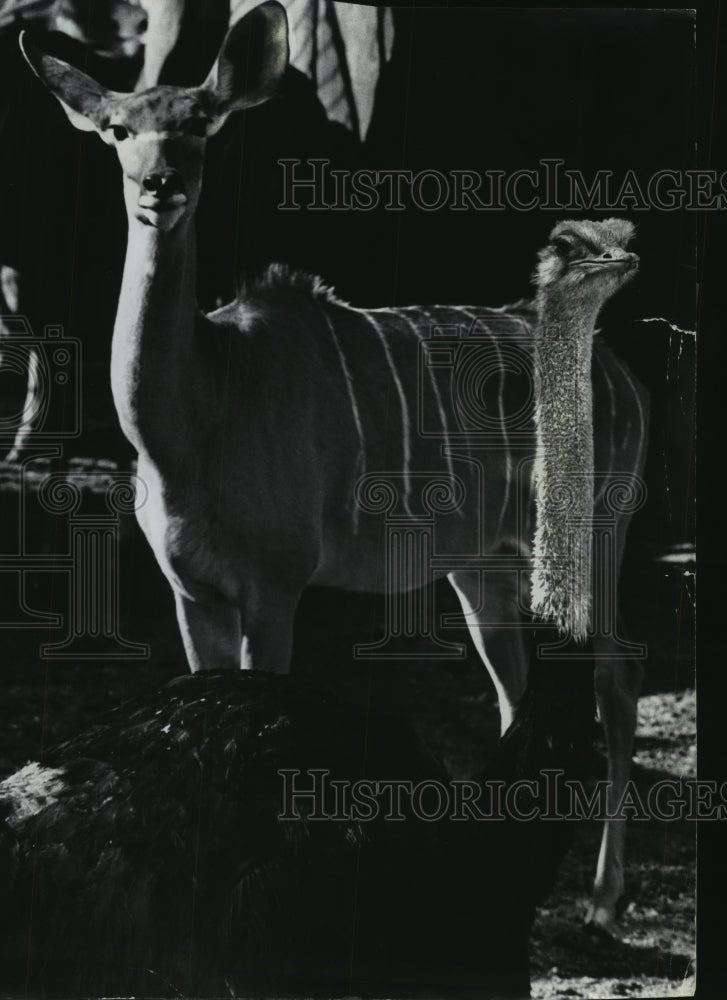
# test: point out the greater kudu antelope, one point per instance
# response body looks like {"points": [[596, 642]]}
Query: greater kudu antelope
{"points": [[255, 424]]}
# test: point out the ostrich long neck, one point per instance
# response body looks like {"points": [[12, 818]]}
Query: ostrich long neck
{"points": [[154, 340], [564, 461]]}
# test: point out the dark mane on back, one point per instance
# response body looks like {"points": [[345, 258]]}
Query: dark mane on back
{"points": [[280, 278]]}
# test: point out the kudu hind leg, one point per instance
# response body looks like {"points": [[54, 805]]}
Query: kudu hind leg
{"points": [[502, 649], [618, 683]]}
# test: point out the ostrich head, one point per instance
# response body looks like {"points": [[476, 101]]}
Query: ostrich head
{"points": [[586, 260]]}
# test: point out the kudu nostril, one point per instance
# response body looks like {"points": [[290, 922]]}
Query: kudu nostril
{"points": [[163, 184]]}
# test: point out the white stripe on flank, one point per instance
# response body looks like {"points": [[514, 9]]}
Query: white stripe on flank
{"points": [[429, 312], [354, 409], [501, 407], [442, 414], [406, 426], [611, 432]]}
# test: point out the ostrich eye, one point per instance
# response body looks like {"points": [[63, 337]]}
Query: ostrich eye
{"points": [[120, 132], [563, 245]]}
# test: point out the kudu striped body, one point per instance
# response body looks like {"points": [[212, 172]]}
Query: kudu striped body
{"points": [[256, 425]]}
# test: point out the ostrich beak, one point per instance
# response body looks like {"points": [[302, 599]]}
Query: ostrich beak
{"points": [[614, 257]]}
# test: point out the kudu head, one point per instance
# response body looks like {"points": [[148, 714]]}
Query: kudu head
{"points": [[160, 134]]}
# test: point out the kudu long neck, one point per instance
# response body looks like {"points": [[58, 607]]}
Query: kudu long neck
{"points": [[564, 458], [154, 338]]}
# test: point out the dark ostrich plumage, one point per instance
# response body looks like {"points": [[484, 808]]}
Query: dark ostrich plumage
{"points": [[147, 856]]}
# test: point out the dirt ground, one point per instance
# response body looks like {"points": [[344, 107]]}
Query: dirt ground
{"points": [[654, 954], [451, 704]]}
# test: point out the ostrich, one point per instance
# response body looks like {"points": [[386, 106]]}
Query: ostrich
{"points": [[582, 266]]}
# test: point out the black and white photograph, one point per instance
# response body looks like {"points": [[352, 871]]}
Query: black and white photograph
{"points": [[348, 399]]}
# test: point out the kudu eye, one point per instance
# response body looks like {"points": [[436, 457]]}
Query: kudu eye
{"points": [[120, 132], [196, 127]]}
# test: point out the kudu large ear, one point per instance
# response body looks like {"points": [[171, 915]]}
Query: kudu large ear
{"points": [[81, 97], [251, 63]]}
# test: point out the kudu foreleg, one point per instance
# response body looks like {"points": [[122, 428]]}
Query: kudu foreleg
{"points": [[218, 634]]}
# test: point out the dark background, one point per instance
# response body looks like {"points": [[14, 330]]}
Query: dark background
{"points": [[711, 687]]}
